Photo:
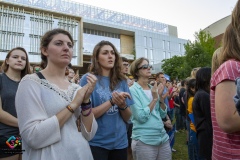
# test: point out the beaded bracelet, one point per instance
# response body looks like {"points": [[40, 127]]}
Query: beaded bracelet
{"points": [[85, 115], [70, 109], [86, 107]]}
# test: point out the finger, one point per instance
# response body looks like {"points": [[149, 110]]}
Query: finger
{"points": [[126, 95]]}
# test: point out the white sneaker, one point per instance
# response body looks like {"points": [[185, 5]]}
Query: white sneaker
{"points": [[174, 150]]}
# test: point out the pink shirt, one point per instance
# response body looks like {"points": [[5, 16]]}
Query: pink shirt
{"points": [[225, 146]]}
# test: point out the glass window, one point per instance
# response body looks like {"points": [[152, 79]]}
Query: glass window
{"points": [[164, 55], [168, 45], [179, 47], [89, 41], [146, 53], [145, 41], [163, 43], [150, 42], [151, 54], [169, 54]]}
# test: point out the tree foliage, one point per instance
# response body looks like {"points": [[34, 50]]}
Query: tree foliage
{"points": [[197, 54]]}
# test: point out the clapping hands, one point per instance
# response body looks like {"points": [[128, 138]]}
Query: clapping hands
{"points": [[157, 90]]}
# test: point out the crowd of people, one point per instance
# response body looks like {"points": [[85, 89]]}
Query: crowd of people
{"points": [[48, 112]]}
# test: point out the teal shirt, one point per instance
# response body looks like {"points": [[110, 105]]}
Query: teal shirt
{"points": [[147, 126]]}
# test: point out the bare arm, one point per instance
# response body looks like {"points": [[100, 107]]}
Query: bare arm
{"points": [[101, 109], [226, 115], [7, 118]]}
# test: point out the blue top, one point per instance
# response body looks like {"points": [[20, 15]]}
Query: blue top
{"points": [[111, 133], [147, 126]]}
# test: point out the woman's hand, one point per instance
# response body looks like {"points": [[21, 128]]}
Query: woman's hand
{"points": [[119, 98], [78, 99], [92, 80], [154, 91]]}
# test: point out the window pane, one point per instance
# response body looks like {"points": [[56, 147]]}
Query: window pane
{"points": [[150, 42], [145, 41], [146, 53]]}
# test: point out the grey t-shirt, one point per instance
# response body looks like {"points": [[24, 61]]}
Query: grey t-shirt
{"points": [[8, 89]]}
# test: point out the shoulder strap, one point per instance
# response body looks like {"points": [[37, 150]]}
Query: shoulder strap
{"points": [[40, 75]]}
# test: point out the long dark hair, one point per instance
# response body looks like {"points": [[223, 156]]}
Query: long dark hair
{"points": [[116, 75], [203, 78], [25, 71], [191, 84]]}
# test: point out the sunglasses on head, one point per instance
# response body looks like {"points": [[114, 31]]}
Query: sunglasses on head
{"points": [[145, 66]]}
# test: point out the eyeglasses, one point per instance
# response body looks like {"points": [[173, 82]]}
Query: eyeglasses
{"points": [[145, 66], [125, 64]]}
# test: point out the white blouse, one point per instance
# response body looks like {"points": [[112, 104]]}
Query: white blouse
{"points": [[37, 103]]}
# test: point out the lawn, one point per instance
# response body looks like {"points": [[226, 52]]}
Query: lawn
{"points": [[180, 146]]}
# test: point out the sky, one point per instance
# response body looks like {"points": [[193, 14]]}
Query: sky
{"points": [[189, 16]]}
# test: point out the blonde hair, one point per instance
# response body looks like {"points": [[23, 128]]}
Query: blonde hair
{"points": [[194, 72], [215, 59]]}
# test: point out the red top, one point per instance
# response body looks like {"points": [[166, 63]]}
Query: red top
{"points": [[170, 101], [225, 146]]}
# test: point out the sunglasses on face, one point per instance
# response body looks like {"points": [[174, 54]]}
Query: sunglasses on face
{"points": [[125, 64], [145, 66]]}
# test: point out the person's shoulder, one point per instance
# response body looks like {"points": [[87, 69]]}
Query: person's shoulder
{"points": [[229, 70], [32, 76]]}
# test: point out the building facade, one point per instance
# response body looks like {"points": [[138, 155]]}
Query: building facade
{"points": [[218, 28], [22, 22]]}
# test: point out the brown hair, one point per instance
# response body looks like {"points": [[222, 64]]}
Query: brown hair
{"points": [[157, 75], [230, 46], [134, 67], [47, 38], [25, 71], [235, 20], [116, 75], [215, 59]]}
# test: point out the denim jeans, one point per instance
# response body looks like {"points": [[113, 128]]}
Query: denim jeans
{"points": [[193, 146]]}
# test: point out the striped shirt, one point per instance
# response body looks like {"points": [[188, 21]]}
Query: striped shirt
{"points": [[225, 146]]}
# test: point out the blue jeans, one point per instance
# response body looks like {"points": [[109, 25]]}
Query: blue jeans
{"points": [[193, 146]]}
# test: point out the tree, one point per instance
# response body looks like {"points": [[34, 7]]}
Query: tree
{"points": [[197, 54], [173, 66]]}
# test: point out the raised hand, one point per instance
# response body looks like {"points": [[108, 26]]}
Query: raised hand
{"points": [[92, 80], [154, 91], [75, 78], [160, 89], [78, 99]]}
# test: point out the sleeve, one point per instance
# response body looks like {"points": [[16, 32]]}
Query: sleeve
{"points": [[36, 128], [140, 111], [89, 135], [229, 70], [163, 113]]}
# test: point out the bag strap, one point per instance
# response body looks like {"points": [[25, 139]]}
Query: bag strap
{"points": [[40, 75]]}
